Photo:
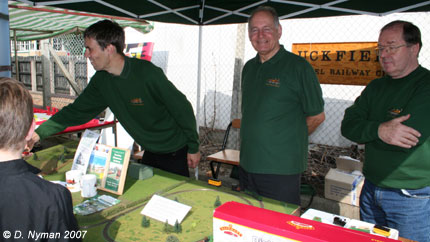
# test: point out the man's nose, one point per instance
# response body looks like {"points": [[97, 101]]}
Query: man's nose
{"points": [[260, 33], [385, 52]]}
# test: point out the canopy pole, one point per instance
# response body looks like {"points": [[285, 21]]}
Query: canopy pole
{"points": [[199, 63], [199, 76]]}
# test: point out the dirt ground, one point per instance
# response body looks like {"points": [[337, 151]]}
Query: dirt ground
{"points": [[320, 159]]}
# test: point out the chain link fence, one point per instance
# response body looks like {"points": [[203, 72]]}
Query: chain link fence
{"points": [[59, 93], [214, 88], [347, 29], [226, 48]]}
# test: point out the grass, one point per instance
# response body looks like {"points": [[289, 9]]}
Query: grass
{"points": [[125, 220]]}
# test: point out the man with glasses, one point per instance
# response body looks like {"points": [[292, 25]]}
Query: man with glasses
{"points": [[391, 117]]}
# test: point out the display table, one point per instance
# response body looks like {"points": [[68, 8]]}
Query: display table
{"points": [[122, 222]]}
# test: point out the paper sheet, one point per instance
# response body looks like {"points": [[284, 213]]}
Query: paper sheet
{"points": [[163, 209]]}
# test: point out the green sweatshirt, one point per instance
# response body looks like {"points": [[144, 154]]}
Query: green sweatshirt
{"points": [[150, 108], [383, 99], [277, 96]]}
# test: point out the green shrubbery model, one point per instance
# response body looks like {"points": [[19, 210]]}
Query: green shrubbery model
{"points": [[145, 222], [217, 202]]}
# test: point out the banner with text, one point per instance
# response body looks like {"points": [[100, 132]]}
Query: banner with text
{"points": [[352, 63]]}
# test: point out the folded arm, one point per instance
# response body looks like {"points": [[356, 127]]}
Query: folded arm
{"points": [[314, 121]]}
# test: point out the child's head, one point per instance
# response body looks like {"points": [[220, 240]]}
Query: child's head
{"points": [[16, 114]]}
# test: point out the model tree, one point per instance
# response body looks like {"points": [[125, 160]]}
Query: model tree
{"points": [[62, 158], [217, 202], [178, 227], [172, 238], [145, 222], [166, 227]]}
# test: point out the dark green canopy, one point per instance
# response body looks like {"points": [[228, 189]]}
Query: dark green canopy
{"points": [[207, 12]]}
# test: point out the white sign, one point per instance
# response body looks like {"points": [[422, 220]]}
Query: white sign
{"points": [[163, 209]]}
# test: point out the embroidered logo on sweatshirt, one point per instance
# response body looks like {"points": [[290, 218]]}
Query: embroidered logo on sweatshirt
{"points": [[395, 112], [273, 82], [136, 101]]}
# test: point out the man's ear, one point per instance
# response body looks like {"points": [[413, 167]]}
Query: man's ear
{"points": [[30, 131], [111, 48], [280, 30], [416, 49]]}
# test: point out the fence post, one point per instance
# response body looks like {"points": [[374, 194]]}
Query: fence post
{"points": [[46, 74], [72, 63], [33, 73]]}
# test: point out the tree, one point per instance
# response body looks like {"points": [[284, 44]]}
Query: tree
{"points": [[145, 222], [62, 158], [172, 238], [166, 227], [178, 227], [217, 202]]}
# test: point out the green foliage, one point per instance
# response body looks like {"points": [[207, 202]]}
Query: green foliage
{"points": [[145, 222], [172, 238], [178, 227], [194, 224], [62, 158], [217, 202], [166, 227]]}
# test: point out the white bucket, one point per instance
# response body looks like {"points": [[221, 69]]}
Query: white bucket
{"points": [[89, 185], [73, 180]]}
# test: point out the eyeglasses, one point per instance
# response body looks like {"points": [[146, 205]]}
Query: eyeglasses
{"points": [[389, 49]]}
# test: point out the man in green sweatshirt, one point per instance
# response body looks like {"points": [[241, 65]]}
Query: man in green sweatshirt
{"points": [[282, 104], [391, 117], [150, 108]]}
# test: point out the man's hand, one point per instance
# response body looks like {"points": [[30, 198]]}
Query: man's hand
{"points": [[30, 143], [193, 159], [393, 132]]}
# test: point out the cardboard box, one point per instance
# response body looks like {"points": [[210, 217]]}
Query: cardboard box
{"points": [[237, 222], [344, 183]]}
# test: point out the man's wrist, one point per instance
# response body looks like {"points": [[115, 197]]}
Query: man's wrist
{"points": [[35, 137]]}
